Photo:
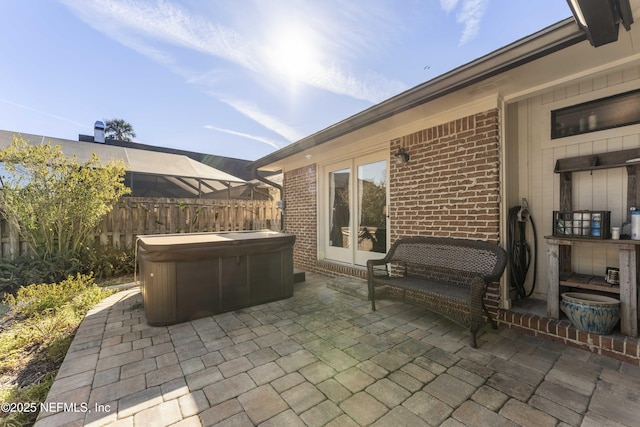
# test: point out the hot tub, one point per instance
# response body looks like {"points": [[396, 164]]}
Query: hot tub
{"points": [[189, 276]]}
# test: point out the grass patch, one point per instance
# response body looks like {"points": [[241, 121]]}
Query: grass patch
{"points": [[31, 393], [35, 336]]}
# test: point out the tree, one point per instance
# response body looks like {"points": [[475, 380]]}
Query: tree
{"points": [[119, 129], [54, 201]]}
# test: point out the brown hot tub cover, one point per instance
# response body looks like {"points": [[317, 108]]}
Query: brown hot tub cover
{"points": [[188, 276]]}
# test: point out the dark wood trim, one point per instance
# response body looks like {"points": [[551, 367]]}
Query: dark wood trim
{"points": [[566, 195], [614, 159], [632, 189]]}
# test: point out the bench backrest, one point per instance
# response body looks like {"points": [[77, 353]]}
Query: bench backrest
{"points": [[469, 256]]}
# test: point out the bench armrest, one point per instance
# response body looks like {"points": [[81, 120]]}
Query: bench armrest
{"points": [[372, 263]]}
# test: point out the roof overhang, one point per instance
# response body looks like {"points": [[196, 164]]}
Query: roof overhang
{"points": [[549, 40], [600, 19]]}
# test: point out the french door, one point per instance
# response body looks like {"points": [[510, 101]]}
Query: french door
{"points": [[356, 221]]}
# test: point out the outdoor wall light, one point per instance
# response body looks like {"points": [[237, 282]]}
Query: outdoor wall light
{"points": [[599, 19], [402, 156]]}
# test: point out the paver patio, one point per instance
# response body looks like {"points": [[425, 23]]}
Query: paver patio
{"points": [[324, 358]]}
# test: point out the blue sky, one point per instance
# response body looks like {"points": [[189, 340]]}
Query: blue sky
{"points": [[238, 78]]}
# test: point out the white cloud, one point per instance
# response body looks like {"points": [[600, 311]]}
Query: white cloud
{"points": [[373, 88], [470, 16], [267, 141], [46, 113], [270, 122], [246, 35], [448, 5], [163, 21], [139, 24]]}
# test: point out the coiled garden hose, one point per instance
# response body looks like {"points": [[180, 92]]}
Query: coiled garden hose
{"points": [[519, 250]]}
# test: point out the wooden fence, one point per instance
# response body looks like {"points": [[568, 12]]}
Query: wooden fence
{"points": [[134, 216]]}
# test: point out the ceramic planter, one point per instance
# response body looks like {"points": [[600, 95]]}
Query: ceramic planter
{"points": [[591, 313]]}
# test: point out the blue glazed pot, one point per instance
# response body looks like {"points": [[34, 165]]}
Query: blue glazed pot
{"points": [[595, 314]]}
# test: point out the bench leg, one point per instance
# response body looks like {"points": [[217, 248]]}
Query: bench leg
{"points": [[494, 325], [473, 340], [372, 295], [474, 329]]}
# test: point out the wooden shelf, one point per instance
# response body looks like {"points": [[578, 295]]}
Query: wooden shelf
{"points": [[592, 286], [590, 162], [559, 247], [627, 291], [571, 241], [587, 281]]}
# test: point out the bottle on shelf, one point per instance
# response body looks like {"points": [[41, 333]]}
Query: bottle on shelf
{"points": [[592, 121]]}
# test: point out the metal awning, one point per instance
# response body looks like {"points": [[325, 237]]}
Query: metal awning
{"points": [[192, 176]]}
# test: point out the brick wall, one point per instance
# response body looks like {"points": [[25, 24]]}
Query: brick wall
{"points": [[301, 219], [450, 186], [300, 215]]}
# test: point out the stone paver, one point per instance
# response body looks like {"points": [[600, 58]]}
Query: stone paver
{"points": [[363, 408], [388, 392], [166, 413], [323, 358], [523, 414], [262, 403], [427, 407], [228, 388], [321, 414], [302, 397], [354, 379], [400, 416]]}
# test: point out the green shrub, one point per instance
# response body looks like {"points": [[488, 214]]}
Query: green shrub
{"points": [[101, 261], [107, 261], [26, 270], [41, 299], [37, 333], [43, 315], [54, 201], [89, 297]]}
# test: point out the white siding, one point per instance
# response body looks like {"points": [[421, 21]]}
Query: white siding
{"points": [[600, 190]]}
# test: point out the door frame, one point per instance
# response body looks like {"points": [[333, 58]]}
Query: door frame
{"points": [[351, 255]]}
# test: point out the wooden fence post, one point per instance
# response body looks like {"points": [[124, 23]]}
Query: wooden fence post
{"points": [[14, 242]]}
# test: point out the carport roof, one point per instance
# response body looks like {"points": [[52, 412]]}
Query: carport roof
{"points": [[137, 161]]}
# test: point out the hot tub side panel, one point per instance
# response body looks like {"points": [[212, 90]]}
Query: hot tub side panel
{"points": [[158, 285], [233, 282], [198, 289], [181, 283], [271, 276]]}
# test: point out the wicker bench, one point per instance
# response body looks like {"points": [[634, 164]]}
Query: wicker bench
{"points": [[445, 275]]}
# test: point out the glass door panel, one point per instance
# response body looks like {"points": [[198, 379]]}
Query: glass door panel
{"points": [[371, 211], [355, 219], [372, 206], [339, 208]]}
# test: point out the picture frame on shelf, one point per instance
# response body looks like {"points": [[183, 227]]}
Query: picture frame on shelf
{"points": [[612, 276]]}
